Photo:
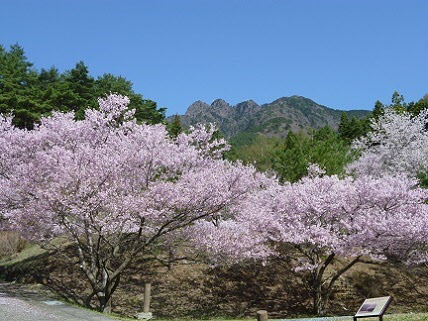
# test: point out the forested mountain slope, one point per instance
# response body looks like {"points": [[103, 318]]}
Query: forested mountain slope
{"points": [[272, 119]]}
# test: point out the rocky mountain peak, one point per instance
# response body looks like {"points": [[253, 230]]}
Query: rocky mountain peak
{"points": [[197, 107], [276, 118], [221, 108], [246, 106], [220, 103]]}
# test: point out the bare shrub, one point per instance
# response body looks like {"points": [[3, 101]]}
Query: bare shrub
{"points": [[11, 243]]}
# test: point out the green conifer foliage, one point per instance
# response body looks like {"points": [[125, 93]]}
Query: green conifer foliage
{"points": [[146, 110], [175, 128], [18, 87], [31, 94]]}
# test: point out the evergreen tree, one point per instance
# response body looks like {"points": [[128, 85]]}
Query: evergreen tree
{"points": [[31, 94], [397, 102], [145, 110], [291, 162], [109, 83], [54, 94], [420, 105], [322, 147], [82, 87], [356, 128], [378, 110], [344, 126], [18, 91], [352, 129], [48, 78], [329, 151], [175, 128]]}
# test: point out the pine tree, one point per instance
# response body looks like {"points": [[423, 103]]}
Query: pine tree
{"points": [[18, 90], [344, 126], [175, 128], [420, 105], [397, 102], [145, 110], [31, 94], [291, 162], [82, 85], [378, 110]]}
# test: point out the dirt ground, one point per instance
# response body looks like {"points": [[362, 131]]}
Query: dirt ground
{"points": [[200, 291]]}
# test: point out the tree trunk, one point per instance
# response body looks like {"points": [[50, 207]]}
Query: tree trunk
{"points": [[105, 295], [323, 289], [319, 304], [319, 297], [96, 265], [105, 305]]}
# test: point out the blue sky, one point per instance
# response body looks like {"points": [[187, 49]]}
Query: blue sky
{"points": [[343, 54]]}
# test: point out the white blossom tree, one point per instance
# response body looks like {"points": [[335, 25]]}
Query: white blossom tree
{"points": [[397, 144]]}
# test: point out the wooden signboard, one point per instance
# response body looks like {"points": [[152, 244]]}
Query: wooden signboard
{"points": [[373, 307]]}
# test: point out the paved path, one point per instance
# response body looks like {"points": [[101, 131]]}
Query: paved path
{"points": [[342, 318], [34, 308]]}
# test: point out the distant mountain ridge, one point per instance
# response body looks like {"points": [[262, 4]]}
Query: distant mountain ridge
{"points": [[272, 119]]}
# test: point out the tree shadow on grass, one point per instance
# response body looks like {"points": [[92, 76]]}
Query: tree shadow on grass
{"points": [[60, 278]]}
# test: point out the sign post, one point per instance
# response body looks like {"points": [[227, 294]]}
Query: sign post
{"points": [[373, 307]]}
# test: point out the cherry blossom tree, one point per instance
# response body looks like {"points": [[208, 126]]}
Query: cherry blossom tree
{"points": [[330, 223], [398, 143], [112, 187]]}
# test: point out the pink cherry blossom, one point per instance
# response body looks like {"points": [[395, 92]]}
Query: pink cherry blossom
{"points": [[113, 187], [319, 220]]}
